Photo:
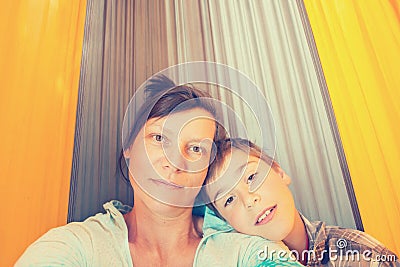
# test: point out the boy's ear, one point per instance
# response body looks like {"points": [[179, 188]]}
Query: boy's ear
{"points": [[286, 178]]}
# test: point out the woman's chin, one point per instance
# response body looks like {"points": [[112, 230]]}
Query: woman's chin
{"points": [[169, 201]]}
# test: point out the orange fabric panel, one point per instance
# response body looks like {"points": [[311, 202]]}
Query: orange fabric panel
{"points": [[40, 51], [359, 47]]}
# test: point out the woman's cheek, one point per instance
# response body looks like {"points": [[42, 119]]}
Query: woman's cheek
{"points": [[202, 177]]}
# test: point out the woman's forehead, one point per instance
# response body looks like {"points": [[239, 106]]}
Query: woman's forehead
{"points": [[197, 122]]}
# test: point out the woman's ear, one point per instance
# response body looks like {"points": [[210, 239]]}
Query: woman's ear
{"points": [[127, 153]]}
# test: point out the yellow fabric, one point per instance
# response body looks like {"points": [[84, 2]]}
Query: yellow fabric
{"points": [[40, 51], [359, 47]]}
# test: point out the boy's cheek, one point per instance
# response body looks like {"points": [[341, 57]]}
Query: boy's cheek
{"points": [[235, 221]]}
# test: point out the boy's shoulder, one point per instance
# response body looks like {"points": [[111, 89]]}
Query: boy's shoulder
{"points": [[236, 249], [223, 246], [331, 243]]}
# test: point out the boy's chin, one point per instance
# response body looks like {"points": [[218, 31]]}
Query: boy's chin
{"points": [[275, 236]]}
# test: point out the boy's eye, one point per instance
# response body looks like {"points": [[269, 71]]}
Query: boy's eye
{"points": [[251, 178], [229, 201]]}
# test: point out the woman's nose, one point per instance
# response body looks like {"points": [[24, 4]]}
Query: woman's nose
{"points": [[174, 161]]}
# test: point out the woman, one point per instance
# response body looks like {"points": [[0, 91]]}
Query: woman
{"points": [[168, 149], [177, 139]]}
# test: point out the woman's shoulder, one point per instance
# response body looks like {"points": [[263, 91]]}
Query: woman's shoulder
{"points": [[102, 228], [98, 226], [78, 243]]}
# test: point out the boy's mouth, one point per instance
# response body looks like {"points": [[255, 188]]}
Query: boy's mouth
{"points": [[265, 216]]}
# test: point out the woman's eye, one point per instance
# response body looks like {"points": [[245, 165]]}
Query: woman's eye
{"points": [[158, 138], [195, 149], [229, 201]]}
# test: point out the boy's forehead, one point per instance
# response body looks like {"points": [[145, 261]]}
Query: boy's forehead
{"points": [[235, 161], [230, 172]]}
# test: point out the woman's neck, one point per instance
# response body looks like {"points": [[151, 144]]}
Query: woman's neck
{"points": [[297, 239], [161, 225], [161, 235]]}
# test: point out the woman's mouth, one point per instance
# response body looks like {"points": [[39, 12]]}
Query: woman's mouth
{"points": [[265, 216], [166, 183]]}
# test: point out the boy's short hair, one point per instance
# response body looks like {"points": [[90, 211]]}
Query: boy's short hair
{"points": [[224, 148]]}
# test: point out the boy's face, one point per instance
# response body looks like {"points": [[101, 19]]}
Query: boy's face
{"points": [[261, 202]]}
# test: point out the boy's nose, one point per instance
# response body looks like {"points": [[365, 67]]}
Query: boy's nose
{"points": [[252, 199]]}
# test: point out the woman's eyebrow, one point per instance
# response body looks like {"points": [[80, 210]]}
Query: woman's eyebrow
{"points": [[200, 140], [160, 127]]}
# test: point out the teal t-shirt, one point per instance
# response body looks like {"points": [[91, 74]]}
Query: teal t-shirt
{"points": [[227, 246], [102, 240]]}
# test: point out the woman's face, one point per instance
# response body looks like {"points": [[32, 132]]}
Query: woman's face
{"points": [[170, 156]]}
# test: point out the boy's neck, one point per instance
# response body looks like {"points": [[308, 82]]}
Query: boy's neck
{"points": [[297, 239]]}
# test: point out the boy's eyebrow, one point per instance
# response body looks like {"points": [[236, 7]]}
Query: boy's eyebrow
{"points": [[217, 194], [242, 167]]}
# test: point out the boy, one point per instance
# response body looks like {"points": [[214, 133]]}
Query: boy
{"points": [[261, 204]]}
